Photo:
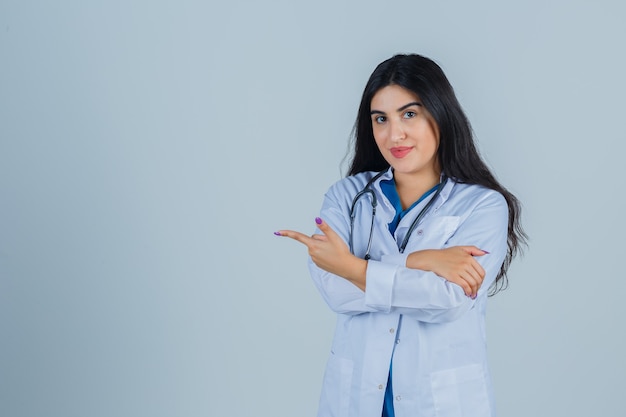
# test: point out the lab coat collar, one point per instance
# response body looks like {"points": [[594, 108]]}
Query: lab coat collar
{"points": [[447, 189], [443, 196]]}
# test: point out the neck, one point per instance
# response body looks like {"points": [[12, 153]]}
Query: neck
{"points": [[411, 187]]}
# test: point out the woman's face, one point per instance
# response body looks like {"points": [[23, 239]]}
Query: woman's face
{"points": [[405, 132]]}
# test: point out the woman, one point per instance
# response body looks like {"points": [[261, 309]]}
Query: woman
{"points": [[409, 284]]}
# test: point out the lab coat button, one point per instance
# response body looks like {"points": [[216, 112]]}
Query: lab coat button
{"points": [[380, 386], [397, 341], [398, 398], [420, 232], [391, 330]]}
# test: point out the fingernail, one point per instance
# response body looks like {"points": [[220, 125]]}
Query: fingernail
{"points": [[485, 251], [318, 220], [474, 296], [277, 233]]}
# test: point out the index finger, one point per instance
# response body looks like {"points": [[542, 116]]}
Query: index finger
{"points": [[300, 237]]}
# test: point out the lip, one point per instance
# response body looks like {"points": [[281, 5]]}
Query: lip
{"points": [[400, 151]]}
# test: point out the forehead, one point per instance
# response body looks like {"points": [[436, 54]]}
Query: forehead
{"points": [[392, 97]]}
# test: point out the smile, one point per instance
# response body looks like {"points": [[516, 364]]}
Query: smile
{"points": [[400, 151]]}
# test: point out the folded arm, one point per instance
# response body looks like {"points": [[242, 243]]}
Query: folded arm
{"points": [[430, 285]]}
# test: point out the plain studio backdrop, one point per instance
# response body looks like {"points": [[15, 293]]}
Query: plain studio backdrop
{"points": [[148, 150]]}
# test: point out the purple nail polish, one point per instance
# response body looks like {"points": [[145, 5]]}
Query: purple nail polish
{"points": [[318, 220], [277, 233], [485, 251]]}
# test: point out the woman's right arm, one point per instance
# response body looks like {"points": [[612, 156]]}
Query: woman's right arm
{"points": [[342, 288]]}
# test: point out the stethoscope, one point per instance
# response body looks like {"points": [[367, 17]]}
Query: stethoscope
{"points": [[368, 190]]}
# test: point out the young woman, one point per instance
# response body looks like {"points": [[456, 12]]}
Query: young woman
{"points": [[407, 249]]}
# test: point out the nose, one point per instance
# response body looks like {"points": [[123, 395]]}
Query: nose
{"points": [[396, 131]]}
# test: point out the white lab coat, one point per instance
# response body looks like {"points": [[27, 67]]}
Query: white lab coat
{"points": [[435, 332]]}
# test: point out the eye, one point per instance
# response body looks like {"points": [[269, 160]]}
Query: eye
{"points": [[380, 119], [409, 114]]}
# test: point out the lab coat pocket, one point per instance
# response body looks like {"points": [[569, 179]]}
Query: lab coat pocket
{"points": [[335, 398], [460, 392], [433, 233]]}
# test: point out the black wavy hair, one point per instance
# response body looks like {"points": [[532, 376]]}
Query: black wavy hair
{"points": [[457, 152]]}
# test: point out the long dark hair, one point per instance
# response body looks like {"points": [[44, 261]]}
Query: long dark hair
{"points": [[457, 152]]}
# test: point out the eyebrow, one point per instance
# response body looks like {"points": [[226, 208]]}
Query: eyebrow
{"points": [[413, 103]]}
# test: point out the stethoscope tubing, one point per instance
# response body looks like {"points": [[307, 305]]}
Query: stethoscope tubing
{"points": [[374, 201]]}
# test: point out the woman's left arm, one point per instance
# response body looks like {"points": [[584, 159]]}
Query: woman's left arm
{"points": [[392, 285]]}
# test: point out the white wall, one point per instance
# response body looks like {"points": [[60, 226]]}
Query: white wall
{"points": [[149, 150]]}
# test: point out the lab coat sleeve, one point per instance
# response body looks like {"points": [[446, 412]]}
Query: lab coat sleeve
{"points": [[423, 295], [340, 294]]}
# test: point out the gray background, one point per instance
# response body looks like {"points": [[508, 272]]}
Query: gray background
{"points": [[148, 150]]}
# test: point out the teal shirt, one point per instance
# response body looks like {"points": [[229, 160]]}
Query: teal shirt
{"points": [[388, 188]]}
